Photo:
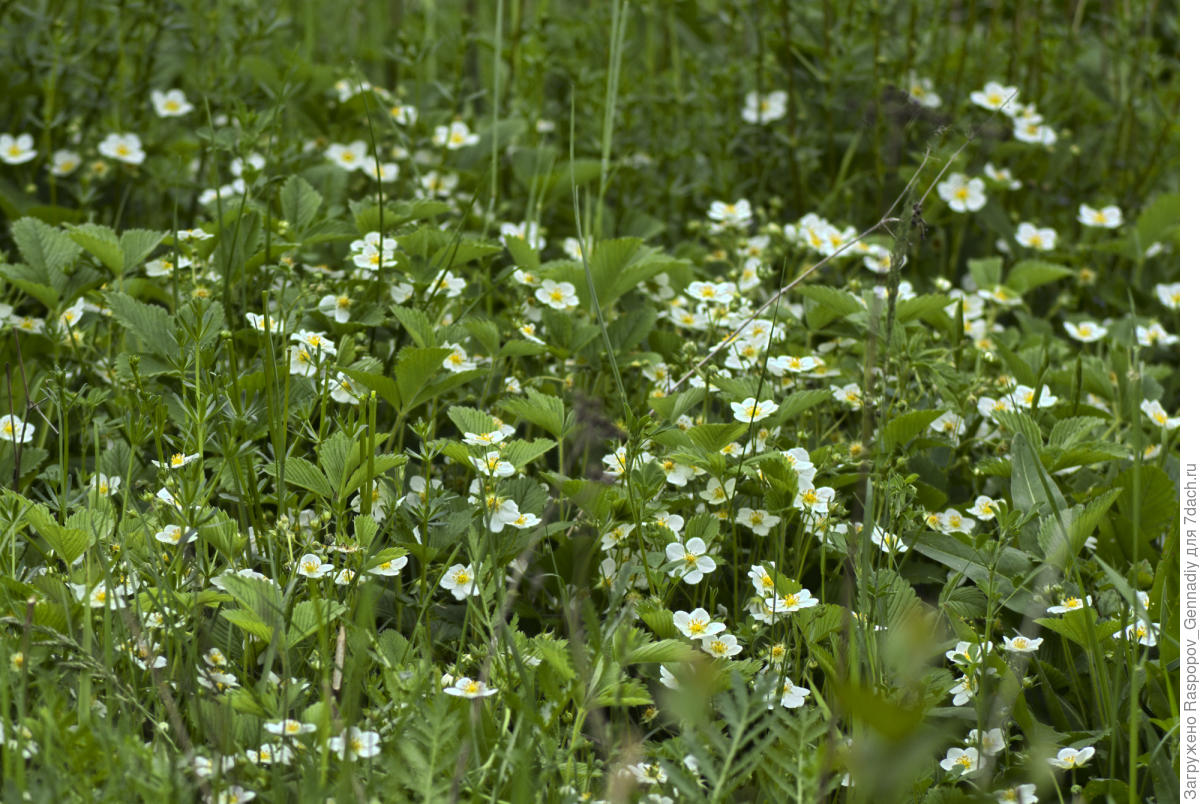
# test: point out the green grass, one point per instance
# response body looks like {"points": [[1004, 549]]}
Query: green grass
{"points": [[292, 415]]}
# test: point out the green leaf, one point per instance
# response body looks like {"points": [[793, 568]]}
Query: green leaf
{"points": [[905, 427], [671, 650], [1074, 626], [1029, 274], [386, 389], [461, 252], [101, 242], [1004, 584], [523, 254], [471, 420], [416, 324], [1019, 423], [520, 453], [986, 272], [44, 247], [839, 301], [1068, 432], [415, 369], [1158, 221], [249, 622], [921, 307], [67, 541], [485, 333], [308, 616], [547, 412], [381, 464], [299, 202], [709, 438], [150, 323], [1032, 489], [33, 282], [136, 245]]}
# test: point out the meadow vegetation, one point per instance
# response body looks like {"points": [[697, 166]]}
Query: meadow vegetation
{"points": [[699, 400]]}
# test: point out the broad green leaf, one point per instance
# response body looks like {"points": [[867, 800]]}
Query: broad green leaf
{"points": [[837, 300], [299, 202], [365, 528], [1074, 626], [1019, 423], [1158, 221], [986, 272], [1029, 274], [520, 453], [308, 616], [301, 472], [136, 245], [44, 247], [905, 427], [709, 438], [547, 412], [416, 324], [415, 369], [471, 420], [485, 333], [921, 307], [101, 242], [381, 464], [671, 650], [1032, 489], [33, 282], [249, 622], [150, 323], [523, 254]]}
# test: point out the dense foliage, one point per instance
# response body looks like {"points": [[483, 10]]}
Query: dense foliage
{"points": [[544, 400]]}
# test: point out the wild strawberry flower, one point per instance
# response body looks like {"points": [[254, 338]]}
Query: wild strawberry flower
{"points": [[16, 150], [527, 232], [350, 157], [172, 103], [696, 624], [962, 194], [850, 395], [456, 135], [920, 89], [125, 148], [1030, 236], [1021, 794], [730, 216], [1145, 633], [721, 647], [991, 743], [1154, 335], [458, 360], [492, 465], [557, 295], [888, 542], [1070, 758], [174, 535], [1168, 295], [270, 754], [711, 292], [289, 728], [964, 760], [764, 108], [1085, 331], [336, 306], [1154, 409], [751, 409], [62, 162], [460, 580], [691, 562], [984, 508], [759, 521], [1001, 176], [13, 428], [355, 744], [1105, 218], [1067, 604], [995, 97], [1022, 644], [176, 461], [310, 566], [469, 688]]}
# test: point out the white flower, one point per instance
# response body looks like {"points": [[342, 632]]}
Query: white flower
{"points": [[492, 466], [289, 727], [696, 624], [964, 759], [336, 307], [125, 148], [175, 535], [711, 292], [850, 395], [722, 647], [962, 194], [469, 688], [992, 742], [1145, 634], [460, 580], [16, 150], [270, 754], [692, 562], [558, 295], [176, 461], [1085, 331], [888, 542], [921, 90], [1021, 794], [1001, 176], [13, 428], [458, 360], [1032, 237], [1154, 335], [389, 568], [667, 678], [730, 216], [758, 520], [1151, 407], [995, 96], [1168, 294], [439, 184], [1021, 644], [355, 744], [64, 163], [1069, 758], [527, 231], [1067, 604], [403, 115], [751, 409], [172, 103], [1035, 132], [348, 157], [456, 136], [1107, 218], [386, 172], [310, 566], [984, 508], [764, 108], [793, 696]]}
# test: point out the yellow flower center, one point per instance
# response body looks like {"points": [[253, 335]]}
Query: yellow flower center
{"points": [[471, 688], [462, 578]]}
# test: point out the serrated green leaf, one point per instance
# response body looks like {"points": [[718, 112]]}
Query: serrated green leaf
{"points": [[1032, 489], [33, 282], [837, 300], [381, 464], [416, 324], [101, 242], [905, 427], [303, 473], [986, 272], [709, 438], [547, 412], [523, 254], [519, 453], [136, 245], [249, 622], [308, 616], [1070, 431], [1158, 221], [1018, 422], [415, 370], [1073, 625], [669, 650], [43, 247], [150, 323], [920, 307], [299, 202]]}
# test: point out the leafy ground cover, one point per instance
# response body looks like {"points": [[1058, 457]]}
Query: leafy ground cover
{"points": [[614, 401]]}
